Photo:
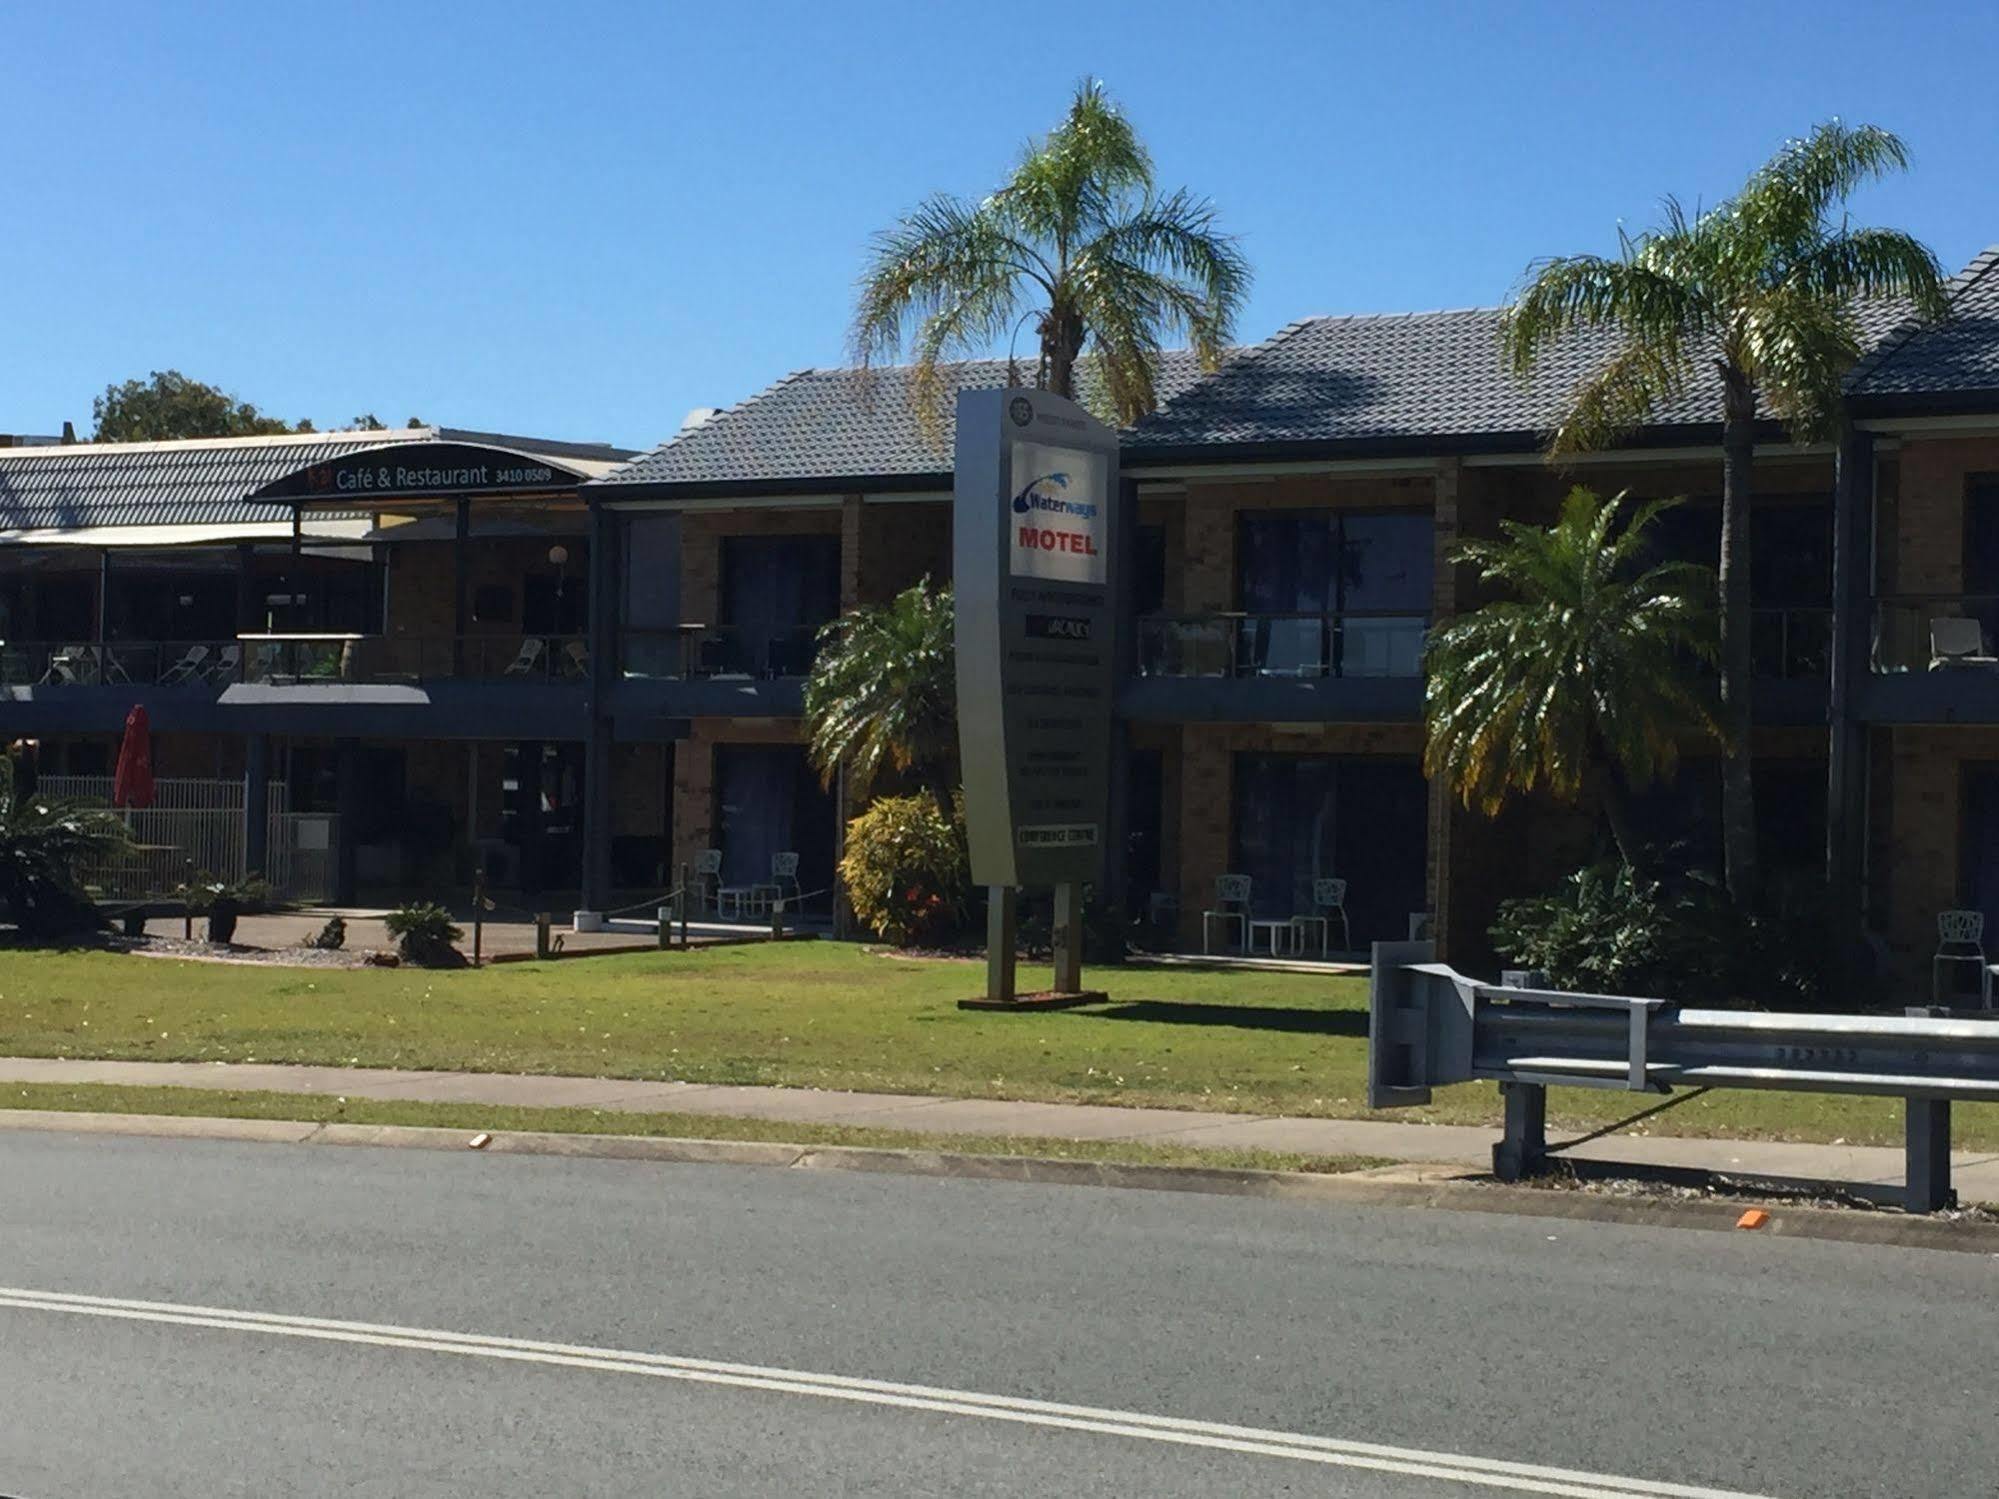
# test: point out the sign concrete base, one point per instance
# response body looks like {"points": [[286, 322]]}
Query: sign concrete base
{"points": [[1044, 999]]}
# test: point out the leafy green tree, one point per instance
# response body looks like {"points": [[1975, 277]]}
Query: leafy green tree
{"points": [[169, 405], [46, 846], [1077, 238], [1584, 678], [1758, 296], [883, 695]]}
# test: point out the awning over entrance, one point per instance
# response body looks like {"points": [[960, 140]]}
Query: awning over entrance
{"points": [[399, 473]]}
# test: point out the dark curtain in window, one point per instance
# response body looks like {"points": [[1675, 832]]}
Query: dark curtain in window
{"points": [[1364, 819], [776, 592]]}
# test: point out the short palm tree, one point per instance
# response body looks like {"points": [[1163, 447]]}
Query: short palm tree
{"points": [[1585, 680], [1759, 296], [46, 847], [883, 694], [1078, 239]]}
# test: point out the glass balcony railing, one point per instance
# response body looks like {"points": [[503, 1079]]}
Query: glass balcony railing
{"points": [[1282, 645], [1935, 632], [720, 652], [293, 659]]}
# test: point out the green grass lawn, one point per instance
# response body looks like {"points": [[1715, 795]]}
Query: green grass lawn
{"points": [[823, 1015]]}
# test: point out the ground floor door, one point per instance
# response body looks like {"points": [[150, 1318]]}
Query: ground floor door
{"points": [[1360, 818], [769, 801]]}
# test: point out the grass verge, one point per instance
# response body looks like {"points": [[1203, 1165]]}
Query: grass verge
{"points": [[317, 1109]]}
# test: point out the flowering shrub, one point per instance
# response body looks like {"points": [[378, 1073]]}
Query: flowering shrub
{"points": [[905, 870]]}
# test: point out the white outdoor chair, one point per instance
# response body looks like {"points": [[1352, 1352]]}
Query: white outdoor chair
{"points": [[528, 659], [707, 876], [67, 666], [1231, 905], [1960, 939], [1957, 641], [187, 669], [1329, 899], [783, 877], [576, 659]]}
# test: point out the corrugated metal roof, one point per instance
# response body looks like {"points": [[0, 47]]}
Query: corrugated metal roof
{"points": [[203, 481], [816, 424]]}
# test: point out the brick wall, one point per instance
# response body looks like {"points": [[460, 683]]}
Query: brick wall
{"points": [[900, 544], [1928, 511], [1924, 870]]}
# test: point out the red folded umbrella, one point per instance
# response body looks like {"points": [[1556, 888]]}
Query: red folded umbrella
{"points": [[132, 784]]}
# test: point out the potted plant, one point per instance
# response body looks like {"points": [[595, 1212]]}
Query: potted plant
{"points": [[222, 901]]}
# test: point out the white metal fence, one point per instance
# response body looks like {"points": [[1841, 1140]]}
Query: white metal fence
{"points": [[196, 824]]}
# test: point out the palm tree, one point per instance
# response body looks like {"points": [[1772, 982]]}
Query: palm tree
{"points": [[883, 694], [1758, 295], [1078, 239], [1584, 680], [46, 845]]}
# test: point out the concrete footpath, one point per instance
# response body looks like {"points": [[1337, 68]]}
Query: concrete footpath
{"points": [[1976, 1173]]}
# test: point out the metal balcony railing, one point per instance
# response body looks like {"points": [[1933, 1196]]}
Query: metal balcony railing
{"points": [[1934, 631], [293, 659], [720, 652], [1351, 644]]}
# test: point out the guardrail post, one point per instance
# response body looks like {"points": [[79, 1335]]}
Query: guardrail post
{"points": [[1927, 1167], [1523, 1150]]}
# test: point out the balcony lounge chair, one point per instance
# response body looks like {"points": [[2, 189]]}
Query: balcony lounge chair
{"points": [[1958, 641], [528, 659], [187, 669]]}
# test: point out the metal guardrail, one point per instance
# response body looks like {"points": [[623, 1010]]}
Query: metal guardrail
{"points": [[1430, 1026]]}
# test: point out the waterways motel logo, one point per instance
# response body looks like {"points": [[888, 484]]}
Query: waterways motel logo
{"points": [[1034, 498]]}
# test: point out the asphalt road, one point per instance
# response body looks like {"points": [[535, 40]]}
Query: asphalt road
{"points": [[536, 1325]]}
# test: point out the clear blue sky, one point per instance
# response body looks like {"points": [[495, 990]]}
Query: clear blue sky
{"points": [[580, 220]]}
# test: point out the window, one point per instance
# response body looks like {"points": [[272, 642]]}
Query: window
{"points": [[776, 593], [1340, 593]]}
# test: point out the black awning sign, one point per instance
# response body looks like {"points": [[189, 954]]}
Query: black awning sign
{"points": [[412, 470]]}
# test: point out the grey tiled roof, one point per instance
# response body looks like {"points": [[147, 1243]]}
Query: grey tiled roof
{"points": [[195, 482], [1405, 378], [1960, 356], [824, 424]]}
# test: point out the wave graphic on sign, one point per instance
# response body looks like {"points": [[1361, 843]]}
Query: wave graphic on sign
{"points": [[1030, 498]]}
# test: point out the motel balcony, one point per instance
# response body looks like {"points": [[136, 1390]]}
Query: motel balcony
{"points": [[439, 686], [694, 670], [1933, 658], [1300, 667]]}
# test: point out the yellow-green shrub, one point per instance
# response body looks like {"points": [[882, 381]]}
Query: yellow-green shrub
{"points": [[905, 870]]}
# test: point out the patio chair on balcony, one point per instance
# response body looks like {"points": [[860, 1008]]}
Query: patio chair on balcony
{"points": [[1231, 907], [228, 661], [187, 669], [69, 666], [528, 659], [1329, 900], [575, 659], [1958, 641], [1960, 940]]}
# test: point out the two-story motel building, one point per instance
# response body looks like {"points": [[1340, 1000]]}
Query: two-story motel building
{"points": [[575, 668]]}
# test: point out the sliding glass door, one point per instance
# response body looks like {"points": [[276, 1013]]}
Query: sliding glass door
{"points": [[1360, 818]]}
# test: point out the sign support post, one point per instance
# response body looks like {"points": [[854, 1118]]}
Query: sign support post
{"points": [[1035, 504]]}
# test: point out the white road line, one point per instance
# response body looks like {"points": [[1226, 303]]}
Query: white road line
{"points": [[1298, 1447]]}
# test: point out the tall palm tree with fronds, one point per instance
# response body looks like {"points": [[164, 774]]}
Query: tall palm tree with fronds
{"points": [[883, 694], [1583, 679], [1758, 296], [1077, 238]]}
